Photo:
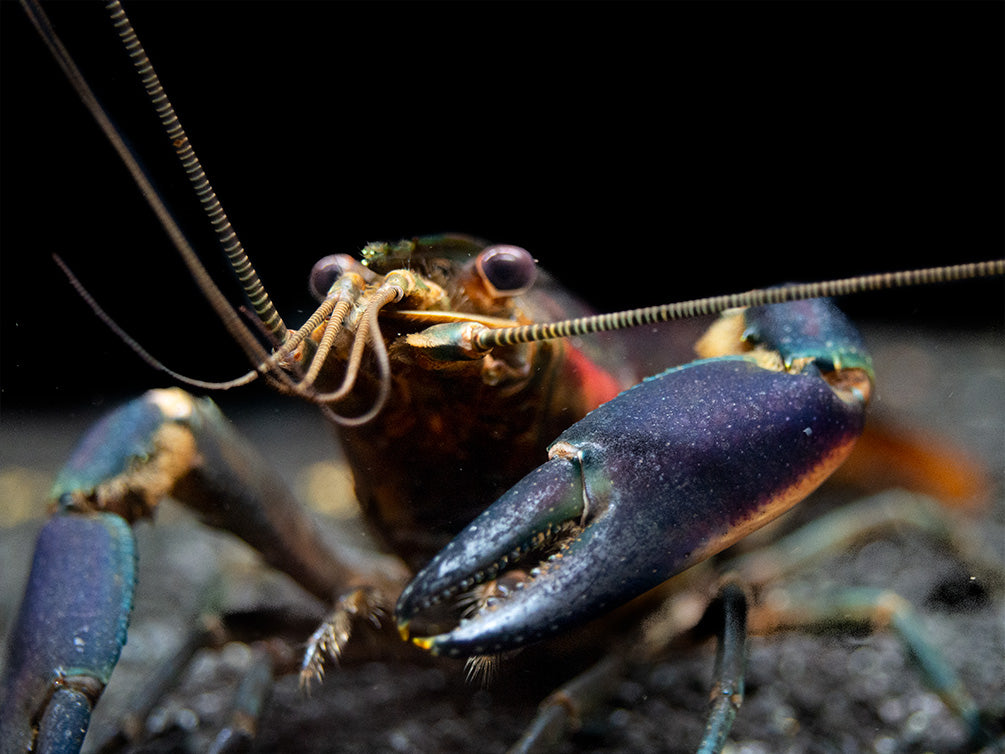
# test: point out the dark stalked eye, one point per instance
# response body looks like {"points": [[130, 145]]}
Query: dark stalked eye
{"points": [[326, 271], [506, 270]]}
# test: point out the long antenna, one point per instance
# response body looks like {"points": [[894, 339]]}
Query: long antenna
{"points": [[232, 247], [228, 316], [507, 336]]}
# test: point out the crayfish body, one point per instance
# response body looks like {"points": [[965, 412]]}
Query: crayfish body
{"points": [[638, 486]]}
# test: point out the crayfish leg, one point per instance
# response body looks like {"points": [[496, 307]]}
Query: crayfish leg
{"points": [[72, 622], [168, 443], [728, 613], [69, 631], [331, 637], [789, 608], [565, 709], [875, 609]]}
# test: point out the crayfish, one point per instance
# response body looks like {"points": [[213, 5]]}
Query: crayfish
{"points": [[518, 485]]}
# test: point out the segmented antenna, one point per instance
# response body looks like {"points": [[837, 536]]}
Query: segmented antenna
{"points": [[507, 336], [225, 233], [228, 316]]}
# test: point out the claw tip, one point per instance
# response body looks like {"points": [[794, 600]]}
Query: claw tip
{"points": [[423, 642]]}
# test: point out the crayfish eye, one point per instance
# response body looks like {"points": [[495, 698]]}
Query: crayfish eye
{"points": [[506, 270], [326, 271]]}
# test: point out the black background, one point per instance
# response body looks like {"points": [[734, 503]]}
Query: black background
{"points": [[643, 152]]}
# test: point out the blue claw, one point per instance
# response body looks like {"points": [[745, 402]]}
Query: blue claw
{"points": [[69, 632], [668, 473]]}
